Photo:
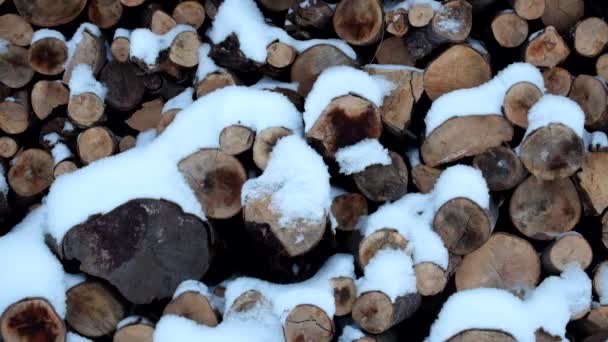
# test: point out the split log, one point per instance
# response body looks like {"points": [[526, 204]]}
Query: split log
{"points": [[420, 15], [49, 13], [32, 173], [95, 143], [136, 332], [563, 14], [236, 139], [148, 116], [184, 49], [214, 82], [458, 67], [345, 121], [528, 9], [165, 246], [276, 5], [345, 294], [424, 177], [544, 209], [158, 20], [126, 143], [166, 119], [509, 29], [8, 147], [553, 151], [48, 95], [347, 209], [86, 109], [308, 322], [132, 3], [91, 51], [505, 262], [280, 55], [518, 101], [501, 168], [564, 250], [194, 306], [15, 29], [383, 183], [121, 49], [359, 22], [397, 22], [462, 225], [374, 311], [93, 310], [393, 50], [593, 187], [601, 66], [265, 142], [125, 85], [216, 179], [590, 37], [189, 13], [104, 13], [397, 107], [15, 70], [32, 319], [14, 117], [313, 15], [466, 136], [64, 167], [480, 335], [591, 94], [311, 63], [558, 81], [385, 238], [546, 49]]}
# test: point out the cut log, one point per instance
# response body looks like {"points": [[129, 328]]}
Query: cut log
{"points": [[313, 15], [125, 85], [166, 119], [553, 151], [430, 278], [236, 139], [424, 177], [383, 183], [394, 50], [280, 55], [591, 94], [462, 225], [359, 22], [8, 147], [189, 13], [214, 82], [546, 49], [347, 209], [141, 239], [566, 249], [465, 136], [184, 49], [95, 143], [596, 320], [397, 22], [397, 107], [32, 319], [32, 173], [590, 37], [93, 310], [597, 280], [264, 143], [148, 116], [91, 51], [420, 15], [375, 313], [454, 21], [518, 101], [132, 3], [345, 121], [528, 9], [479, 335], [310, 63], [592, 185], [558, 81], [276, 5], [14, 117], [563, 14], [49, 13], [601, 66], [64, 167], [345, 294], [544, 209], [308, 322], [86, 109], [216, 179], [385, 238], [104, 13], [501, 168], [509, 29], [160, 21], [458, 67], [126, 143], [194, 306], [15, 70], [138, 332], [15, 29], [505, 261], [121, 49], [48, 95]]}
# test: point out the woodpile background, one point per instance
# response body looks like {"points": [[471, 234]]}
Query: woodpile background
{"points": [[99, 238]]}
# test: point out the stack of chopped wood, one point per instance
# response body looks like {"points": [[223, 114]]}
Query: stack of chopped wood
{"points": [[303, 170]]}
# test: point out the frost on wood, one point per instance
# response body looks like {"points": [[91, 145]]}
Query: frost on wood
{"points": [[147, 45], [150, 171], [390, 271], [550, 306], [244, 18], [464, 102], [343, 80], [83, 81], [357, 157]]}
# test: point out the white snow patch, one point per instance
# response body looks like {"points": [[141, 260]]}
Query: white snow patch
{"points": [[206, 65], [269, 84], [68, 127], [145, 137], [356, 158], [556, 109], [390, 271], [392, 5], [4, 45], [72, 44], [83, 81], [350, 333], [3, 183], [461, 181], [393, 67], [131, 320], [343, 80], [244, 18], [191, 286], [413, 155], [147, 45], [10, 99], [46, 33], [603, 283], [51, 138], [73, 337], [181, 101], [464, 102], [122, 33], [60, 153]]}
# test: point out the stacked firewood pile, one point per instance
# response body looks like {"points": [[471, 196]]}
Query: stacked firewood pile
{"points": [[303, 170]]}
